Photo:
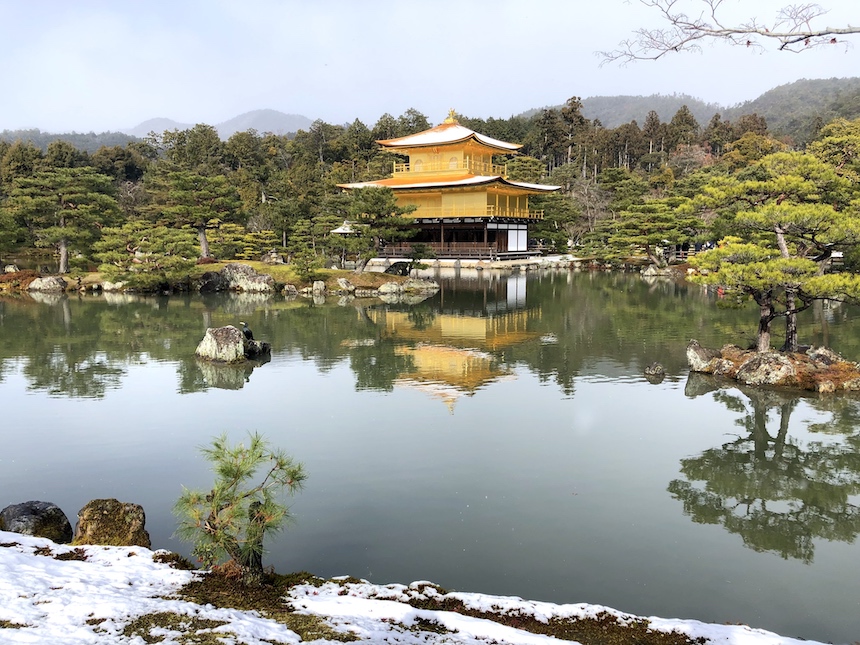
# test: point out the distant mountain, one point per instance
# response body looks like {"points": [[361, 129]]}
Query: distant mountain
{"points": [[264, 121], [158, 125], [795, 111], [799, 109], [260, 120], [613, 111]]}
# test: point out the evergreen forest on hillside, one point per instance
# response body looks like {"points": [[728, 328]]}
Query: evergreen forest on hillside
{"points": [[85, 141]]}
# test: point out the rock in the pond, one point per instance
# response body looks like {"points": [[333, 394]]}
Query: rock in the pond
{"points": [[48, 284], [419, 285], [653, 271], [699, 358], [654, 369], [767, 368], [40, 519], [229, 345], [389, 288], [818, 369], [222, 344], [109, 287], [112, 523]]}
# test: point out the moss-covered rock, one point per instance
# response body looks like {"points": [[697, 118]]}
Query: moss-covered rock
{"points": [[113, 523]]}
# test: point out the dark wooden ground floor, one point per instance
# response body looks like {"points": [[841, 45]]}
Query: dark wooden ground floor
{"points": [[486, 238]]}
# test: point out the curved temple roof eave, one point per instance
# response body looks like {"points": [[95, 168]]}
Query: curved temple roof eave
{"points": [[447, 134], [476, 180]]}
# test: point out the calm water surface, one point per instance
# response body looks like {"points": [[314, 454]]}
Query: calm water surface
{"points": [[498, 437]]}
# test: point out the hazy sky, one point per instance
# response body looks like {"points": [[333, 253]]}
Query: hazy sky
{"points": [[108, 65]]}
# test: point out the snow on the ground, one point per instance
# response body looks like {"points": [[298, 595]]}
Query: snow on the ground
{"points": [[71, 602]]}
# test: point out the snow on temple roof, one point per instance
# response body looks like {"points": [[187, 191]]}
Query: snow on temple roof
{"points": [[446, 133], [475, 180]]}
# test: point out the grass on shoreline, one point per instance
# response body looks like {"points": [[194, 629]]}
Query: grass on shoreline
{"points": [[225, 591]]}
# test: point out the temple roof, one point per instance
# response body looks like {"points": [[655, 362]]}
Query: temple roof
{"points": [[444, 134], [405, 182]]}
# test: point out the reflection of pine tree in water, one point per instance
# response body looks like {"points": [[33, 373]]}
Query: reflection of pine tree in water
{"points": [[776, 494]]}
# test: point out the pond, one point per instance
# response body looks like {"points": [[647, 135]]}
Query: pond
{"points": [[499, 437]]}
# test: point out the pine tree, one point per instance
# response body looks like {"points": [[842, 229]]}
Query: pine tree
{"points": [[231, 520], [790, 212], [63, 208]]}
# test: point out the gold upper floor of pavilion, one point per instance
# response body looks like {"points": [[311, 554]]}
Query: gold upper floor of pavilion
{"points": [[453, 165], [450, 173]]}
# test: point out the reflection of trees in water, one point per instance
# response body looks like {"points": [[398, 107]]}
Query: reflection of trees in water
{"points": [[569, 325], [421, 316], [377, 366], [67, 374], [776, 493], [81, 346]]}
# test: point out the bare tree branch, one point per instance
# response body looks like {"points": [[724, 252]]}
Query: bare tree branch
{"points": [[794, 29]]}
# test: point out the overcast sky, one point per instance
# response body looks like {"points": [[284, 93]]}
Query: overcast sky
{"points": [[109, 65]]}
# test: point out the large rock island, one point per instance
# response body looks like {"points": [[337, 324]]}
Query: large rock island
{"points": [[817, 369], [230, 345]]}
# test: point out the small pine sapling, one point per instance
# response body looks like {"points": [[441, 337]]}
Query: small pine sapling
{"points": [[231, 520]]}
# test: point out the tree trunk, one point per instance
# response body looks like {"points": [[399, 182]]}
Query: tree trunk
{"points": [[765, 308], [790, 313], [204, 241], [63, 246], [790, 323], [252, 555], [652, 256], [763, 334]]}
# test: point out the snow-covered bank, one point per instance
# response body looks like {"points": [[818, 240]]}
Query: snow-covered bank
{"points": [[97, 594]]}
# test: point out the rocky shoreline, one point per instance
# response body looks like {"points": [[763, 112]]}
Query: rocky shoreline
{"points": [[235, 277]]}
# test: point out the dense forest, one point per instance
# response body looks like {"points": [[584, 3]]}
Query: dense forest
{"points": [[798, 110], [147, 210], [283, 189]]}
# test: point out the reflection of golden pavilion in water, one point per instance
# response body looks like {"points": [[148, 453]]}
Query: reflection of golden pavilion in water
{"points": [[450, 354]]}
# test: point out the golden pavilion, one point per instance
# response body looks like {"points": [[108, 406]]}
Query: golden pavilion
{"points": [[466, 207]]}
